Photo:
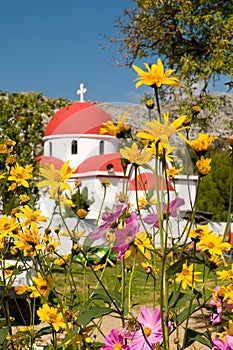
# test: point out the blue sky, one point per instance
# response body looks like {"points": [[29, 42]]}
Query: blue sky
{"points": [[51, 46]]}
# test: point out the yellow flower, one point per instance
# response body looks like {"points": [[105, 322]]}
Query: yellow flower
{"points": [[24, 198], [32, 217], [11, 159], [203, 166], [150, 103], [7, 147], [173, 171], [116, 130], [52, 316], [22, 289], [202, 143], [82, 213], [61, 261], [146, 203], [198, 232], [7, 226], [188, 277], [159, 150], [29, 241], [161, 132], [51, 245], [213, 244], [41, 286], [226, 274], [105, 183], [56, 178], [134, 156], [20, 174], [155, 75]]}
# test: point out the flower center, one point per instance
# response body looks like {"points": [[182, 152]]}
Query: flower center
{"points": [[117, 347], [147, 331], [185, 272], [211, 245]]}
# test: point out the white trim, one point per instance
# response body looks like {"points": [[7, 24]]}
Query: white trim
{"points": [[78, 136]]}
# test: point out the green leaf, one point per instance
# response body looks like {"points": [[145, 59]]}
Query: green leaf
{"points": [[186, 313], [178, 299], [3, 334], [177, 267], [89, 312], [193, 336], [101, 295]]}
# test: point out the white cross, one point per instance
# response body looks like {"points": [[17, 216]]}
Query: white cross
{"points": [[81, 92]]}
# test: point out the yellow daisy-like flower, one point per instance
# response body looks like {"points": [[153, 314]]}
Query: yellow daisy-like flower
{"points": [[158, 131], [134, 156], [155, 75], [173, 171], [22, 289], [41, 286], [213, 244], [226, 274], [202, 143], [52, 316], [159, 150], [31, 217], [20, 175], [7, 226], [188, 277], [199, 232], [29, 241], [24, 198], [145, 203], [116, 130], [55, 179], [203, 166], [61, 261]]}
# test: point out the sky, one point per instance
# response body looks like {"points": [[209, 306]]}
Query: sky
{"points": [[52, 46]]}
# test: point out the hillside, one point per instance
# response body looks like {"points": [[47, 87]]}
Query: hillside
{"points": [[138, 114]]}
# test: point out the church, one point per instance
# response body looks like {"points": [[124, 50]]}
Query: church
{"points": [[73, 134]]}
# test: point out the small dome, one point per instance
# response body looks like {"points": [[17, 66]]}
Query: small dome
{"points": [[77, 118]]}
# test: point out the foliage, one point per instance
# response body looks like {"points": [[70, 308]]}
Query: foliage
{"points": [[22, 118], [215, 188], [186, 272], [192, 37]]}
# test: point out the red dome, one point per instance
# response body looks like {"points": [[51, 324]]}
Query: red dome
{"points": [[78, 118], [101, 163]]}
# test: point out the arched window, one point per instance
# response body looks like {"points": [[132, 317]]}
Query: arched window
{"points": [[50, 148], [101, 147], [74, 147]]}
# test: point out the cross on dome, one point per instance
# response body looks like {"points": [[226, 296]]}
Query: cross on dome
{"points": [[81, 91]]}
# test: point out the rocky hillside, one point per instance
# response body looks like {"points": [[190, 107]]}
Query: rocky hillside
{"points": [[138, 114]]}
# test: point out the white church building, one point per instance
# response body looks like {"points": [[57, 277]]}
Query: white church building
{"points": [[73, 134]]}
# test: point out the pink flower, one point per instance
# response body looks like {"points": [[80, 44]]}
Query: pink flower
{"points": [[109, 217], [126, 235], [150, 331], [153, 219], [219, 344], [114, 341], [216, 316]]}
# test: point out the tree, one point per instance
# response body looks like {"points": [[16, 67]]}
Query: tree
{"points": [[194, 37], [215, 188], [22, 119]]}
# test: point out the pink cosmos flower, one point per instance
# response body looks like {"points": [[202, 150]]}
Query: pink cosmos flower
{"points": [[216, 316], [150, 331], [153, 219], [114, 341], [220, 344], [108, 217], [126, 235]]}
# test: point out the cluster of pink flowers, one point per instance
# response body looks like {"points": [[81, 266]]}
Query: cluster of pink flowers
{"points": [[144, 336]]}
